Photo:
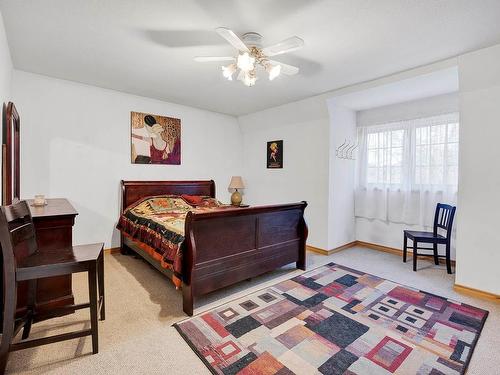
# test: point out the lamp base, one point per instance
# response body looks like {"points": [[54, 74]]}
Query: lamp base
{"points": [[236, 198]]}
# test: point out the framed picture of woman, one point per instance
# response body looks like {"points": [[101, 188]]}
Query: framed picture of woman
{"points": [[275, 154], [155, 139]]}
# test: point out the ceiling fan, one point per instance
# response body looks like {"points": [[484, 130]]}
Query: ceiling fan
{"points": [[252, 55]]}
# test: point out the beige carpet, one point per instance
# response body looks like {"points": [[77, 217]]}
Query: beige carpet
{"points": [[137, 337]]}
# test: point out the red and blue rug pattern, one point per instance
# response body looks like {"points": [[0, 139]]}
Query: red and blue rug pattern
{"points": [[336, 320]]}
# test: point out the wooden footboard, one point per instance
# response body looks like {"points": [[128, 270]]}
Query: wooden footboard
{"points": [[225, 247]]}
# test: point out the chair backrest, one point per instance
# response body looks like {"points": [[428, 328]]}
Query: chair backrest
{"points": [[16, 229], [443, 218]]}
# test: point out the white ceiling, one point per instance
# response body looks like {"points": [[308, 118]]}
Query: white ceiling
{"points": [[146, 47], [439, 82]]}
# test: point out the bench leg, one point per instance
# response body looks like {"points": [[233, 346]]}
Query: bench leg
{"points": [[92, 274], [100, 279]]}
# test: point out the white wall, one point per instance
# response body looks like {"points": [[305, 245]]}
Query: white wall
{"points": [[478, 235], [76, 144], [5, 65], [341, 228], [5, 73], [303, 127], [74, 120]]}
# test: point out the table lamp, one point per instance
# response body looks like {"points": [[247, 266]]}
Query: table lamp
{"points": [[236, 183]]}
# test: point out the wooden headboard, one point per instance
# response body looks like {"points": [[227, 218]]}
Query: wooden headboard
{"points": [[132, 191]]}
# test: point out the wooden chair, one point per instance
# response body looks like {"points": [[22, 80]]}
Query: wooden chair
{"points": [[17, 232], [443, 219]]}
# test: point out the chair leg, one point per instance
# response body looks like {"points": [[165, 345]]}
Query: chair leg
{"points": [[27, 327], [31, 303], [405, 247], [100, 279], [92, 275], [448, 259], [9, 311], [436, 259], [415, 255]]}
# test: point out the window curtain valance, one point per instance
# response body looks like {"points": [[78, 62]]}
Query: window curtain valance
{"points": [[405, 168]]}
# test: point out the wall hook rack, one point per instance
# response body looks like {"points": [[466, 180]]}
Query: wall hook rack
{"points": [[346, 150]]}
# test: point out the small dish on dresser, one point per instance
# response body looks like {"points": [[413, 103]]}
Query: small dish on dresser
{"points": [[39, 204], [39, 201]]}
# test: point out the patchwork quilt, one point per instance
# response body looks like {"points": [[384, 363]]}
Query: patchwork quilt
{"points": [[156, 224]]}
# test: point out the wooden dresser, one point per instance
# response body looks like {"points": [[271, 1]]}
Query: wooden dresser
{"points": [[54, 230]]}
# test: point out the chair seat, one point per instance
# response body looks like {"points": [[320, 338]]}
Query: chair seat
{"points": [[424, 236], [58, 262]]}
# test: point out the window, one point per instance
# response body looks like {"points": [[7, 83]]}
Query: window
{"points": [[436, 154], [385, 157], [406, 167], [417, 152]]}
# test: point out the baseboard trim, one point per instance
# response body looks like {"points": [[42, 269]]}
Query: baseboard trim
{"points": [[462, 289], [112, 250], [332, 251], [477, 293], [385, 249], [317, 250], [395, 251]]}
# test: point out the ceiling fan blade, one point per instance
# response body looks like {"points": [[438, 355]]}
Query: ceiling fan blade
{"points": [[289, 70], [213, 58], [285, 46], [232, 38]]}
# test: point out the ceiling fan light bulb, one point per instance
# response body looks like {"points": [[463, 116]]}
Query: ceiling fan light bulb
{"points": [[245, 62], [227, 71], [274, 71], [249, 79]]}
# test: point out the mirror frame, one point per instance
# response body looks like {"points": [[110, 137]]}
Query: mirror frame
{"points": [[10, 154]]}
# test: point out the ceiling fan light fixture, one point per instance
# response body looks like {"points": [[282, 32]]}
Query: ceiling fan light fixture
{"points": [[250, 78], [228, 71], [245, 62], [274, 71], [251, 57]]}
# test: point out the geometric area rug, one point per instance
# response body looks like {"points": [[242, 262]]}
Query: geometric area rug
{"points": [[336, 320]]}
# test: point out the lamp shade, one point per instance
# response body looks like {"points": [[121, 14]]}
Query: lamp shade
{"points": [[236, 183]]}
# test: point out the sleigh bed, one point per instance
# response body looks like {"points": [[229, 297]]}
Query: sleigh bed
{"points": [[222, 246]]}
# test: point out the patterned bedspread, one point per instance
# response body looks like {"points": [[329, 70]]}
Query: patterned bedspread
{"points": [[156, 224]]}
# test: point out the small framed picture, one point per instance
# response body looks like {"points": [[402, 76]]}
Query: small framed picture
{"points": [[275, 154]]}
